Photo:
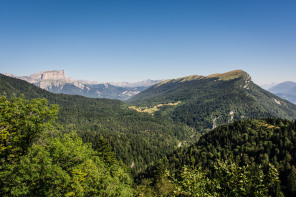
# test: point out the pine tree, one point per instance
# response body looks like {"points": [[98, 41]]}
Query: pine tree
{"points": [[104, 151]]}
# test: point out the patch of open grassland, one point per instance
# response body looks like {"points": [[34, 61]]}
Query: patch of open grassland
{"points": [[153, 109]]}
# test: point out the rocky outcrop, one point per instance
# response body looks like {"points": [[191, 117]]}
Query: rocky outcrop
{"points": [[57, 82], [56, 75], [53, 75]]}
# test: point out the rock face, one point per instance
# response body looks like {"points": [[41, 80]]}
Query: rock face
{"points": [[50, 80], [56, 75], [57, 82], [53, 75]]}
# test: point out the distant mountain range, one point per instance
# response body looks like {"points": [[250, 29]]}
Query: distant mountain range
{"points": [[57, 82], [285, 90], [164, 121], [204, 102], [173, 112], [137, 138]]}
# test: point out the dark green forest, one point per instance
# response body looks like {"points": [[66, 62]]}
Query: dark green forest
{"points": [[253, 144], [38, 160], [136, 138], [210, 101], [62, 145]]}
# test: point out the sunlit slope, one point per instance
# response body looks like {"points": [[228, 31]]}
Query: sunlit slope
{"points": [[206, 102]]}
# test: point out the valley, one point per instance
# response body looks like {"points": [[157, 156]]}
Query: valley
{"points": [[57, 82], [150, 98], [135, 137], [200, 124]]}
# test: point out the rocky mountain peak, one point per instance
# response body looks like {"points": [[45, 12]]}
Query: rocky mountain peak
{"points": [[56, 81], [54, 75], [49, 75]]}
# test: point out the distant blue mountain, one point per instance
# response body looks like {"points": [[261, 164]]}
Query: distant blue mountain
{"points": [[285, 90], [57, 82]]}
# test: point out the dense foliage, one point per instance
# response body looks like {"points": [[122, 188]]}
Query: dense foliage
{"points": [[251, 157], [136, 138], [210, 101], [226, 179], [36, 160], [21, 123], [256, 144]]}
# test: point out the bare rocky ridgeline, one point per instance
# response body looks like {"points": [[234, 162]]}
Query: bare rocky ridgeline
{"points": [[42, 76], [50, 75], [56, 81], [50, 79]]}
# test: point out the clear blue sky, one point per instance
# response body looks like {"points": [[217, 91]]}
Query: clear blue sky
{"points": [[128, 40]]}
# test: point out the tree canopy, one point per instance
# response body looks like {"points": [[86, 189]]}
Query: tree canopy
{"points": [[37, 160]]}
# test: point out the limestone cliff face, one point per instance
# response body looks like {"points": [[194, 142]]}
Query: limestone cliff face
{"points": [[54, 75], [57, 82], [51, 79], [49, 75]]}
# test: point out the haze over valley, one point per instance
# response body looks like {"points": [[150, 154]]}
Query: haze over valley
{"points": [[58, 82]]}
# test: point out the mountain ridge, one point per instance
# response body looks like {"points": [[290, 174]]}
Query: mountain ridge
{"points": [[56, 81], [285, 90], [136, 138], [284, 87], [221, 76], [214, 99]]}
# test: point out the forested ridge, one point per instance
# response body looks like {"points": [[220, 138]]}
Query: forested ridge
{"points": [[136, 138], [41, 154], [206, 102], [253, 145]]}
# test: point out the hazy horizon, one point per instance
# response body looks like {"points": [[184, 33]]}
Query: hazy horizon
{"points": [[264, 85]]}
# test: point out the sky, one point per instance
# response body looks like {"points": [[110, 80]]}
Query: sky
{"points": [[135, 40]]}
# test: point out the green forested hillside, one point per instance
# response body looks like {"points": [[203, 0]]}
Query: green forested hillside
{"points": [[136, 138], [249, 147], [206, 102], [38, 160], [251, 157]]}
